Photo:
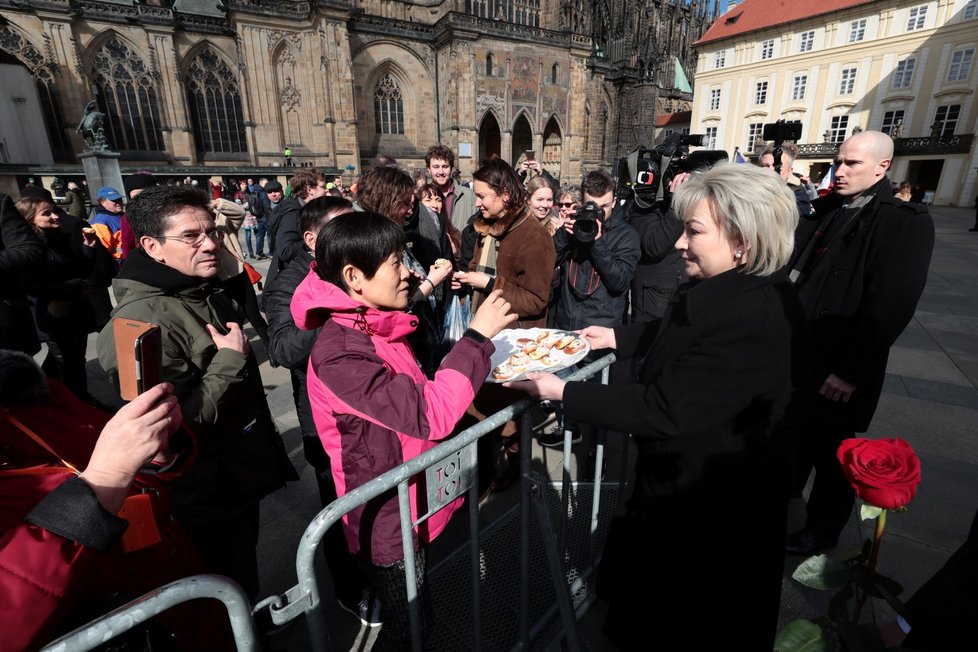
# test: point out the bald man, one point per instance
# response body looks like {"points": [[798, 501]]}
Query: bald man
{"points": [[860, 265]]}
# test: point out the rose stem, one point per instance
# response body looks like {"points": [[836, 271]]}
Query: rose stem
{"points": [[873, 557]]}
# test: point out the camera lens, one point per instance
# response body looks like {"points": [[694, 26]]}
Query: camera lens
{"points": [[585, 230]]}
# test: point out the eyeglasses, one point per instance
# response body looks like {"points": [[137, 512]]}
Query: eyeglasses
{"points": [[195, 239], [567, 205]]}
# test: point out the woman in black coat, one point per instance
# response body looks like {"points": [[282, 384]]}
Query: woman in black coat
{"points": [[696, 560]]}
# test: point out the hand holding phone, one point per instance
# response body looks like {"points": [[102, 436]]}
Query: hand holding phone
{"points": [[530, 154]]}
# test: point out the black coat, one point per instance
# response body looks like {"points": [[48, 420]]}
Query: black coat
{"points": [[860, 295], [603, 267], [284, 237], [21, 255], [289, 346], [660, 269], [714, 416]]}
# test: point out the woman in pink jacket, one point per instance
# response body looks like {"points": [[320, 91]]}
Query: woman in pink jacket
{"points": [[373, 406]]}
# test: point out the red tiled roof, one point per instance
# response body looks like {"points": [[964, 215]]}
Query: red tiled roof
{"points": [[752, 15], [679, 117]]}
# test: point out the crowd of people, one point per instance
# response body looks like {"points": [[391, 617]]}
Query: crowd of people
{"points": [[752, 322]]}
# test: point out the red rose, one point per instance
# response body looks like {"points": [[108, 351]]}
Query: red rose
{"points": [[884, 472]]}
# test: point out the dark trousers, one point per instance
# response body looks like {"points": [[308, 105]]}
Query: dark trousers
{"points": [[388, 584], [260, 232], [228, 547], [65, 360], [348, 580], [830, 503]]}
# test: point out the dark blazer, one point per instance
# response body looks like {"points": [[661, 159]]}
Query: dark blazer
{"points": [[860, 295], [21, 255], [714, 417]]}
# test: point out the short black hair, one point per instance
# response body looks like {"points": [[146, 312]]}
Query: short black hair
{"points": [[149, 211], [316, 212], [597, 183], [364, 240]]}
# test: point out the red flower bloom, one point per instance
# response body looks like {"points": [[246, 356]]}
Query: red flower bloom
{"points": [[884, 472]]}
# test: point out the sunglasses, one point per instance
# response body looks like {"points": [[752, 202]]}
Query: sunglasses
{"points": [[567, 205]]}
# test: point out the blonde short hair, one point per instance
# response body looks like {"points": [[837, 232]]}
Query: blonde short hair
{"points": [[750, 203]]}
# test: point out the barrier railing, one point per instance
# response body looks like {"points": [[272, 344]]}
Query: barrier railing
{"points": [[305, 599], [143, 608], [453, 468]]}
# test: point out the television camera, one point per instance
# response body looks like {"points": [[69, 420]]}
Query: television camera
{"points": [[646, 173], [779, 132]]}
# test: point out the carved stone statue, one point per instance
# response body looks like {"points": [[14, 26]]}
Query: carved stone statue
{"points": [[91, 130]]}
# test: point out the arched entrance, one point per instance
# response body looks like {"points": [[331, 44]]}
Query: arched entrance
{"points": [[490, 141], [522, 139], [552, 143]]}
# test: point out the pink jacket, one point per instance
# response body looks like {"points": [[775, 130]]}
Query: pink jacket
{"points": [[374, 408]]}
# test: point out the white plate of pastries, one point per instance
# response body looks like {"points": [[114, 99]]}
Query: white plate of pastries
{"points": [[522, 350]]}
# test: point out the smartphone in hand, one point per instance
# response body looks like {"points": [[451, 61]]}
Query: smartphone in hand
{"points": [[530, 154], [139, 355]]}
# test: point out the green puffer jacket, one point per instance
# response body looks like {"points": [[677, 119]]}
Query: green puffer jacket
{"points": [[241, 455]]}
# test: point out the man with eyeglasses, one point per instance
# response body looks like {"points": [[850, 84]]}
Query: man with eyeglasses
{"points": [[171, 281]]}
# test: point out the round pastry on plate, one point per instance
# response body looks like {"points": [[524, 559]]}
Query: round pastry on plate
{"points": [[503, 372], [539, 352], [576, 345], [564, 341], [542, 335]]}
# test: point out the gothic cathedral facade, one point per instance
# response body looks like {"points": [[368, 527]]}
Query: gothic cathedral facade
{"points": [[196, 83]]}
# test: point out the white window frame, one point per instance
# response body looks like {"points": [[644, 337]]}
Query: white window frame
{"points": [[760, 92], [714, 99], [960, 68], [891, 119], [916, 18], [720, 59], [767, 49], [970, 10], [799, 87], [711, 137], [755, 130], [948, 123], [903, 74], [806, 42], [857, 30], [847, 80], [838, 128]]}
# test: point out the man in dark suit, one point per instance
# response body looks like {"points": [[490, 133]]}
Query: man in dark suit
{"points": [[860, 265]]}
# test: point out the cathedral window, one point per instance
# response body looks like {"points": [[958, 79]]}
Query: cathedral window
{"points": [[388, 107], [215, 105], [127, 96], [554, 73], [489, 65]]}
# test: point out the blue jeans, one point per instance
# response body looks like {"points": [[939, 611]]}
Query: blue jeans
{"points": [[260, 237], [247, 234]]}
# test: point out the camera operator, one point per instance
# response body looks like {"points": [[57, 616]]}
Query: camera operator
{"points": [[795, 185], [660, 270], [597, 250]]}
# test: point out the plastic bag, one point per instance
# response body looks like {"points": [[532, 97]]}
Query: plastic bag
{"points": [[457, 319]]}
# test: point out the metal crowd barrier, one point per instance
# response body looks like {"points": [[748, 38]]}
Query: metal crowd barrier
{"points": [[143, 608], [451, 468]]}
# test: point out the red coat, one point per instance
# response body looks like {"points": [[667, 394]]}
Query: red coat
{"points": [[49, 582]]}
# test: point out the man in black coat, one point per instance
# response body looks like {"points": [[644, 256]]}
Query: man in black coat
{"points": [[21, 254], [283, 224], [860, 265]]}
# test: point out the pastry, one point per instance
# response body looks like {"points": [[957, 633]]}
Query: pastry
{"points": [[542, 335], [539, 352], [564, 341], [503, 372], [576, 345]]}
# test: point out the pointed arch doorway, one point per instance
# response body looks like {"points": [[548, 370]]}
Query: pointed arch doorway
{"points": [[490, 140], [552, 147], [522, 139]]}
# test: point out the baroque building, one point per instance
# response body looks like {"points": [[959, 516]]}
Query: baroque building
{"points": [[200, 85], [904, 67]]}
